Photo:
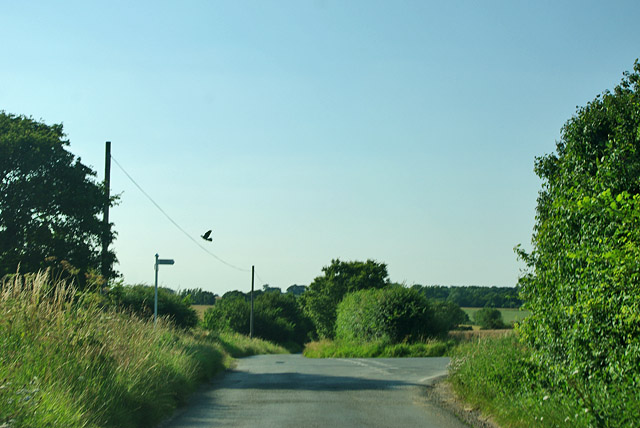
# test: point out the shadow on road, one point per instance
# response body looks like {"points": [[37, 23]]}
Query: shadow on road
{"points": [[305, 382]]}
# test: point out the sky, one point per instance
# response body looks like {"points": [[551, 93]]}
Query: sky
{"points": [[300, 132]]}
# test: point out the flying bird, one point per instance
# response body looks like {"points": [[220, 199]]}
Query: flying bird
{"points": [[207, 236]]}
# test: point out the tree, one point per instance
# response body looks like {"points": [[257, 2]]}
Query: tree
{"points": [[50, 203], [296, 290], [321, 299], [489, 318], [583, 285]]}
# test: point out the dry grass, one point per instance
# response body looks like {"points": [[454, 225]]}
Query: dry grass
{"points": [[200, 310], [466, 335]]}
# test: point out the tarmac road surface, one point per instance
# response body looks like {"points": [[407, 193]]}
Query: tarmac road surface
{"points": [[276, 391]]}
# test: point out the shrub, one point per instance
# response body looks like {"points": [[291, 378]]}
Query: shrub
{"points": [[583, 285], [321, 299], [447, 315], [489, 319], [229, 313], [139, 299], [395, 314], [277, 317]]}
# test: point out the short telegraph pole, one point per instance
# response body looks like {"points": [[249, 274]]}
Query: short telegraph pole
{"points": [[251, 316]]}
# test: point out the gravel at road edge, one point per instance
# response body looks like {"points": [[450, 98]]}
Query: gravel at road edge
{"points": [[440, 393]]}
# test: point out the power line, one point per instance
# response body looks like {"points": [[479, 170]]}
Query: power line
{"points": [[176, 224], [258, 276]]}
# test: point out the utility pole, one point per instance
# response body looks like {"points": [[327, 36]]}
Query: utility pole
{"points": [[104, 265], [251, 317]]}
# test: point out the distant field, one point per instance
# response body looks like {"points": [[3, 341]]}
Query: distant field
{"points": [[508, 315], [200, 309]]}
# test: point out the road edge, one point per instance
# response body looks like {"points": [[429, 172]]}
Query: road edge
{"points": [[438, 391]]}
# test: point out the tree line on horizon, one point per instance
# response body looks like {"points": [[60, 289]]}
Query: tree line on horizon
{"points": [[465, 296]]}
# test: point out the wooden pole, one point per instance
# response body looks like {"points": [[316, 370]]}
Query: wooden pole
{"points": [[251, 317], [105, 265]]}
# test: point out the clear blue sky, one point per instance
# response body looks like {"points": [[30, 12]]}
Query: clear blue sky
{"points": [[302, 131]]}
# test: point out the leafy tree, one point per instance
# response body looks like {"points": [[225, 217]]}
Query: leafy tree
{"points": [[50, 203], [296, 290], [489, 318], [321, 299], [583, 288]]}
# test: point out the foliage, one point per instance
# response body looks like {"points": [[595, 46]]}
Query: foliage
{"points": [[321, 299], [473, 296], [489, 319], [296, 290], [67, 362], [198, 296], [447, 315], [326, 348], [277, 317], [392, 314], [583, 287], [229, 313], [499, 376], [140, 299], [50, 203]]}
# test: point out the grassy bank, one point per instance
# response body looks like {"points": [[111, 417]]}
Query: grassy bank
{"points": [[381, 349], [498, 376], [67, 362]]}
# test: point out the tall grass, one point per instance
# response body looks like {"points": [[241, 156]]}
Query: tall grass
{"points": [[497, 375], [377, 349], [67, 362]]}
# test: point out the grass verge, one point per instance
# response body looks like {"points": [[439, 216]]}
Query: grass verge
{"points": [[67, 362], [496, 375], [343, 349]]}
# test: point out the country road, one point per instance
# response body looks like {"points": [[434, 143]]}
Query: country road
{"points": [[274, 391]]}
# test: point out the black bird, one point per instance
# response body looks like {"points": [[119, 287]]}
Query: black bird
{"points": [[206, 236]]}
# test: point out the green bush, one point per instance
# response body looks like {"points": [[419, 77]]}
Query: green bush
{"points": [[583, 286], [447, 315], [277, 317], [395, 314], [229, 313], [489, 318], [320, 301], [139, 299]]}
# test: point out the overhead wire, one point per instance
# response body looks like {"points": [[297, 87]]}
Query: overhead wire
{"points": [[175, 223]]}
